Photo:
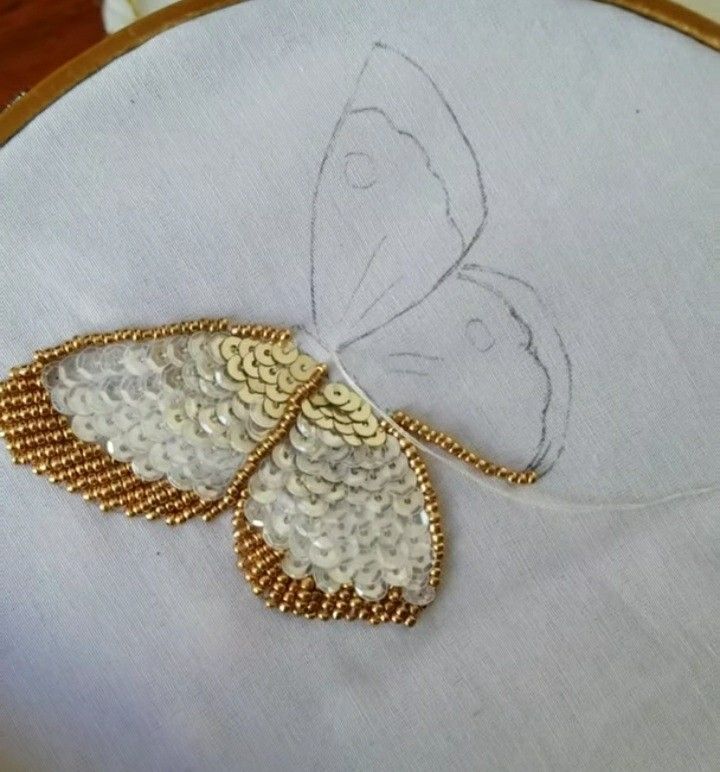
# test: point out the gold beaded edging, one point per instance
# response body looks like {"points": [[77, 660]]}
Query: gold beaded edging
{"points": [[36, 434], [450, 445], [262, 565]]}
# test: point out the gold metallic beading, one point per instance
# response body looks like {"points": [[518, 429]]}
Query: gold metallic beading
{"points": [[450, 445]]}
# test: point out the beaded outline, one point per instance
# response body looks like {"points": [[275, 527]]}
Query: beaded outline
{"points": [[37, 434], [425, 432], [261, 563]]}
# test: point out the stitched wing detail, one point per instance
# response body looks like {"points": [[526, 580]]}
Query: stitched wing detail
{"points": [[185, 408], [157, 422], [339, 500]]}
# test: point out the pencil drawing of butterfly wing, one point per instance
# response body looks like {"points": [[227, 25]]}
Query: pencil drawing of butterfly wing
{"points": [[398, 200], [398, 205], [482, 358], [157, 422]]}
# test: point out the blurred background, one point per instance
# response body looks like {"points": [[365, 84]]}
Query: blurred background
{"points": [[37, 36]]}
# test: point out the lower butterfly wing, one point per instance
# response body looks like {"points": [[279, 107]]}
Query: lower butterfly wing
{"points": [[158, 422], [340, 519], [480, 357]]}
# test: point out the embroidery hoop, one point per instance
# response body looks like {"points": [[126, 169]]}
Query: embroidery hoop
{"points": [[50, 89]]}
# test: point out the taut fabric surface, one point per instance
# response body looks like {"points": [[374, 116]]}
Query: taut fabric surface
{"points": [[503, 219]]}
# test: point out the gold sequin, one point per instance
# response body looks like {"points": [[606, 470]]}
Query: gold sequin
{"points": [[268, 373], [234, 368], [248, 396], [302, 368], [230, 347], [377, 439], [337, 425], [310, 411], [284, 353], [246, 346], [272, 408], [336, 394], [366, 428], [286, 382], [256, 385], [249, 365], [263, 354], [353, 404], [275, 394], [362, 413]]}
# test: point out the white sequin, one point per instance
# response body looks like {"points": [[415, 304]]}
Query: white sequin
{"points": [[344, 515], [168, 407]]}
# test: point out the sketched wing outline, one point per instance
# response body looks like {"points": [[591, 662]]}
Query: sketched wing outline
{"points": [[361, 240]]}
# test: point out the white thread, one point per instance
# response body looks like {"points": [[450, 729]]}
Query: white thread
{"points": [[529, 495]]}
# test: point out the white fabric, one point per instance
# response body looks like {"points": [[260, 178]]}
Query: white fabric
{"points": [[178, 183]]}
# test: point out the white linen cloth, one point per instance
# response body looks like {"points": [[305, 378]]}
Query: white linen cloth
{"points": [[578, 625]]}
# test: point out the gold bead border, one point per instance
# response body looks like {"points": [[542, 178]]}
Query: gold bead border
{"points": [[36, 434], [450, 445], [262, 565]]}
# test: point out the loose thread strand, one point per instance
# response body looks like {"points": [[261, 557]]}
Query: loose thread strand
{"points": [[536, 499]]}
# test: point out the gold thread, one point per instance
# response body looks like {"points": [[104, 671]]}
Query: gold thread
{"points": [[450, 445]]}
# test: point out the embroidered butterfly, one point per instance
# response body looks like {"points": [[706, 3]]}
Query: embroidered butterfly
{"points": [[335, 515]]}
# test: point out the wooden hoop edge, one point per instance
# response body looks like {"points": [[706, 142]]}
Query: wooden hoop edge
{"points": [[18, 114]]}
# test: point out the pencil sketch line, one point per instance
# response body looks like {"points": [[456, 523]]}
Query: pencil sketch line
{"points": [[379, 298], [368, 264], [466, 244], [410, 372], [546, 444], [428, 163], [316, 189], [415, 354], [529, 348]]}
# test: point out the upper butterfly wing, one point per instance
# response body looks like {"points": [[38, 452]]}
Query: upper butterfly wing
{"points": [[398, 201], [340, 518], [158, 421], [398, 204]]}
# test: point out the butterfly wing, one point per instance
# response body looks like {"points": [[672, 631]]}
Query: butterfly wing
{"points": [[398, 201], [398, 204], [481, 358], [340, 519], [158, 421]]}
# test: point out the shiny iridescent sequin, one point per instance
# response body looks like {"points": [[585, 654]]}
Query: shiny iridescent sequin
{"points": [[185, 408], [344, 514]]}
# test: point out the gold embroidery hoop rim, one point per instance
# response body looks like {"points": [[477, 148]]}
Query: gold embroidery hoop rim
{"points": [[21, 112]]}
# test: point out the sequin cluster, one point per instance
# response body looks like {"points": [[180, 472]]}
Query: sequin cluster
{"points": [[326, 433], [344, 513], [337, 409], [185, 408]]}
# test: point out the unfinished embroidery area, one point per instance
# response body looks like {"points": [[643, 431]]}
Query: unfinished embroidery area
{"points": [[558, 636]]}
